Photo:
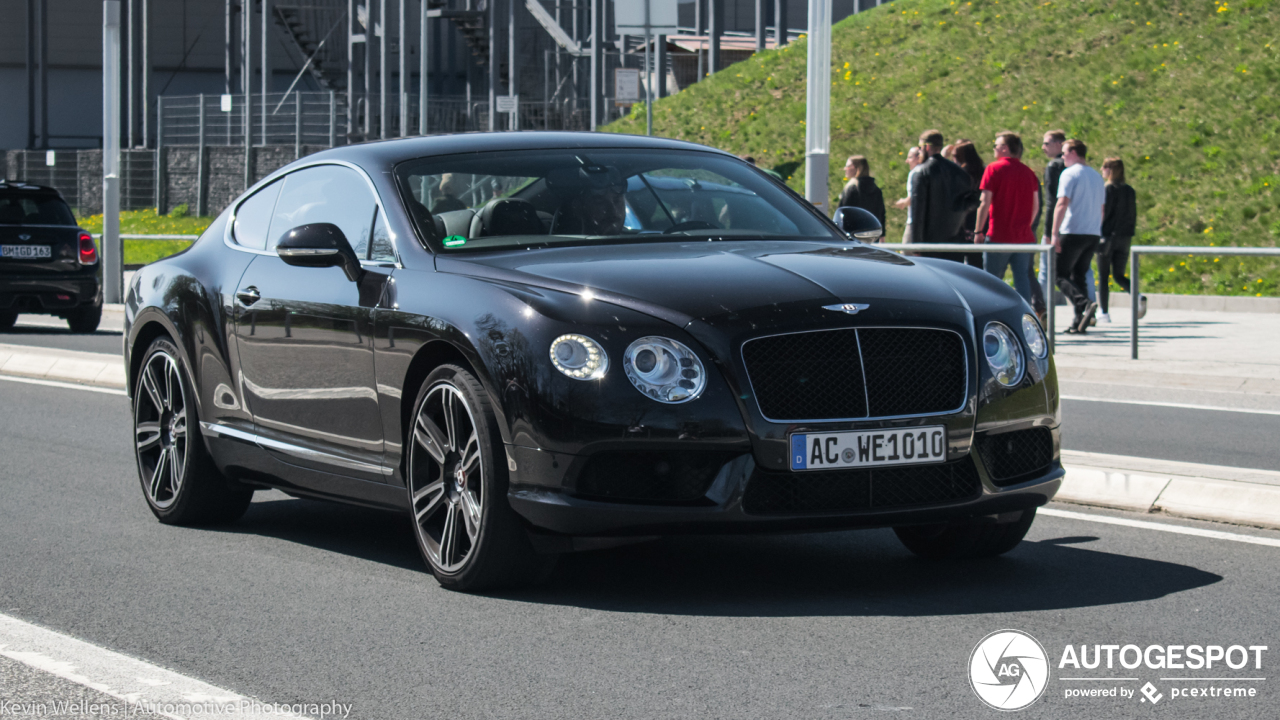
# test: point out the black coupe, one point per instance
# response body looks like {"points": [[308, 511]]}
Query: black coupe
{"points": [[538, 342]]}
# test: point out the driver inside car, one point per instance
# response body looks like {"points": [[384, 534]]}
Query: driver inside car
{"points": [[594, 211]]}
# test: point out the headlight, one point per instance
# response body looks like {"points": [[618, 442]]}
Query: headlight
{"points": [[664, 369], [1003, 352], [579, 357], [1034, 336]]}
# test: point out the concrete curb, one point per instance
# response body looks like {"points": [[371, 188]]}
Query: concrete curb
{"points": [[1202, 492], [85, 368]]}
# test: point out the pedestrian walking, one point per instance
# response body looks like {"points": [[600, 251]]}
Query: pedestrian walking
{"points": [[943, 197], [966, 156], [861, 190], [1077, 228], [1052, 146], [1119, 223], [1010, 201], [914, 158]]}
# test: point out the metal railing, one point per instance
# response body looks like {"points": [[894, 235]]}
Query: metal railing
{"points": [[1137, 251], [1049, 258]]}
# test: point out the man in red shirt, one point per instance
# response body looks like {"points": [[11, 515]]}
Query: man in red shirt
{"points": [[1011, 199]]}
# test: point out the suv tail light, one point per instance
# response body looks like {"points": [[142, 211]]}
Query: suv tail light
{"points": [[88, 251]]}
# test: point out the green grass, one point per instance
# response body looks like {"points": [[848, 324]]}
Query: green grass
{"points": [[1184, 92], [147, 222]]}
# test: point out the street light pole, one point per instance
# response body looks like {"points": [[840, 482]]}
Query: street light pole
{"points": [[817, 124], [112, 262]]}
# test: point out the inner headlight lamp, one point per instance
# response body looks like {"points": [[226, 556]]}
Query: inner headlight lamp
{"points": [[664, 369], [579, 357], [1004, 353]]}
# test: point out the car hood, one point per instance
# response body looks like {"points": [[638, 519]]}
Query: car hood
{"points": [[759, 283]]}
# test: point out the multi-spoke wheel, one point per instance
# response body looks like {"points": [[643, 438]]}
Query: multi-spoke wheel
{"points": [[160, 428], [467, 532], [180, 481]]}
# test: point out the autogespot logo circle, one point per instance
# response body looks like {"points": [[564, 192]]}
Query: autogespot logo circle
{"points": [[1009, 670]]}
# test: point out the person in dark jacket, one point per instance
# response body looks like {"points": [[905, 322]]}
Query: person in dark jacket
{"points": [[944, 197], [1119, 222], [861, 190], [967, 157]]}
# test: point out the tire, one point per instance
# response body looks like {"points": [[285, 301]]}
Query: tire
{"points": [[7, 319], [466, 531], [179, 479], [954, 541], [85, 319]]}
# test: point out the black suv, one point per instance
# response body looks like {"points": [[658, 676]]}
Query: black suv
{"points": [[48, 265]]}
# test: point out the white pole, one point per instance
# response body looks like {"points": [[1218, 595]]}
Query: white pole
{"points": [[817, 124], [423, 68], [403, 57], [113, 267], [648, 73]]}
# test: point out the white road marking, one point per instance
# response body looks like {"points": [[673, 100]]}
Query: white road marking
{"points": [[64, 385], [133, 681], [1162, 527], [1184, 406]]}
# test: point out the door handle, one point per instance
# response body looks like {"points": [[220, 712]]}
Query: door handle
{"points": [[248, 296]]}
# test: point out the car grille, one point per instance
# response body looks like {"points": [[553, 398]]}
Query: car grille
{"points": [[770, 492], [820, 375], [650, 476], [1013, 457]]}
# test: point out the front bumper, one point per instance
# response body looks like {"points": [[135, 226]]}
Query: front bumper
{"points": [[727, 506]]}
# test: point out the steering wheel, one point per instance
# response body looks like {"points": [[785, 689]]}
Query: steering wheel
{"points": [[691, 225]]}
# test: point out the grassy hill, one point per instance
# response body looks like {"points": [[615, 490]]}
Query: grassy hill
{"points": [[1187, 93]]}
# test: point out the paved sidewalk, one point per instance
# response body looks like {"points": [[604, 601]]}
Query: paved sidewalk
{"points": [[1187, 356]]}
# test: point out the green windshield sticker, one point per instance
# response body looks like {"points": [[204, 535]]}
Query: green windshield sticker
{"points": [[455, 241]]}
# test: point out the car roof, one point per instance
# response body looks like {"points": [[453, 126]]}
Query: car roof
{"points": [[391, 152]]}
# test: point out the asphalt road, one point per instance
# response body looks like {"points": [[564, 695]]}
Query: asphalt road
{"points": [[305, 601], [52, 332]]}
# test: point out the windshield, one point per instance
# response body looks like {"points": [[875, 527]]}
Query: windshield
{"points": [[29, 209], [543, 198]]}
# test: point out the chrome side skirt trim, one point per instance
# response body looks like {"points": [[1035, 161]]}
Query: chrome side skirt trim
{"points": [[297, 451]]}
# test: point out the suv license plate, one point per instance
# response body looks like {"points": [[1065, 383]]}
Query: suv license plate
{"points": [[25, 252], [868, 448]]}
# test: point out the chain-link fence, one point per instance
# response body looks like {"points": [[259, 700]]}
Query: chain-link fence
{"points": [[296, 118], [77, 174]]}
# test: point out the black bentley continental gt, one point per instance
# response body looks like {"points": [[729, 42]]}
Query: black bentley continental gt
{"points": [[537, 342]]}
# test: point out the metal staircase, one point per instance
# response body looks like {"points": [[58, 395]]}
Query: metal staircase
{"points": [[317, 33]]}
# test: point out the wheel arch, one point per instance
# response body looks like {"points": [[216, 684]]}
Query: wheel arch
{"points": [[432, 355]]}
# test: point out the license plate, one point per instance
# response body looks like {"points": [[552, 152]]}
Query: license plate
{"points": [[868, 448], [24, 252]]}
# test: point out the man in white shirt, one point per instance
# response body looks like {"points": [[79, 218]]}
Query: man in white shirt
{"points": [[914, 157], [1077, 229]]}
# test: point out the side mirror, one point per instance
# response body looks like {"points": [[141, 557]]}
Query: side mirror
{"points": [[858, 223], [319, 245]]}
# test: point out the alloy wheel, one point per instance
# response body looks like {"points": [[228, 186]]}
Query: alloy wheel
{"points": [[446, 477], [160, 429]]}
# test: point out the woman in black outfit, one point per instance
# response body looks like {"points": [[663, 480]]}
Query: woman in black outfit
{"points": [[1119, 220], [861, 191], [970, 161]]}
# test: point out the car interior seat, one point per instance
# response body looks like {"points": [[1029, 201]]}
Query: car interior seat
{"points": [[507, 216]]}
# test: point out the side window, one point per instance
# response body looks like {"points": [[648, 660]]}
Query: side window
{"points": [[253, 217], [382, 250], [325, 194]]}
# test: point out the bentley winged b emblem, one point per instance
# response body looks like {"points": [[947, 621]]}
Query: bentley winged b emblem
{"points": [[851, 308]]}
